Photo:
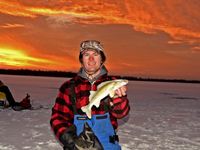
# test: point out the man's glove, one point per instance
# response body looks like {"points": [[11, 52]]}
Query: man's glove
{"points": [[69, 137], [87, 140]]}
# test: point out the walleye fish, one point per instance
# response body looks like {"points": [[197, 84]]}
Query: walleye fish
{"points": [[103, 89]]}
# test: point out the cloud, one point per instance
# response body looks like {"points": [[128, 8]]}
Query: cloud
{"points": [[175, 42], [180, 19], [195, 50], [145, 30], [128, 64], [15, 10], [7, 25]]}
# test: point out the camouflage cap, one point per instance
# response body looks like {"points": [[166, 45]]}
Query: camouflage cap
{"points": [[91, 44]]}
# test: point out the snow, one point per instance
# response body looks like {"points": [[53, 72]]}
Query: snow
{"points": [[163, 116]]}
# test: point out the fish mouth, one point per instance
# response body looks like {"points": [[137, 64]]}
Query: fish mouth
{"points": [[125, 82]]}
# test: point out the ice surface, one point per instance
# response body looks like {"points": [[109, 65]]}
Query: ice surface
{"points": [[163, 116]]}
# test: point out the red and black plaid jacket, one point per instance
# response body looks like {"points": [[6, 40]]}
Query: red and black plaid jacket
{"points": [[62, 112]]}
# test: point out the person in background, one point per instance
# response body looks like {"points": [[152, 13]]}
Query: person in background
{"points": [[70, 125], [5, 91], [17, 106]]}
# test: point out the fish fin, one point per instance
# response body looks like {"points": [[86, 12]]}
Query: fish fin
{"points": [[103, 83], [97, 104], [112, 93], [92, 93], [86, 109]]}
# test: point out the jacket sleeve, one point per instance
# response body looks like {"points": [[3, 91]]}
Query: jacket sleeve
{"points": [[62, 112], [119, 107]]}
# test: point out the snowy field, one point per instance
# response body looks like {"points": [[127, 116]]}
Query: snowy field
{"points": [[163, 116]]}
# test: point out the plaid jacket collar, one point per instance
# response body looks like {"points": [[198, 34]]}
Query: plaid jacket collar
{"points": [[98, 81], [84, 77]]}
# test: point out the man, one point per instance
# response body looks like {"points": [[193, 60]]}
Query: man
{"points": [[70, 125], [4, 90]]}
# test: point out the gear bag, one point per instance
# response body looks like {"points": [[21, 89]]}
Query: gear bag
{"points": [[26, 102]]}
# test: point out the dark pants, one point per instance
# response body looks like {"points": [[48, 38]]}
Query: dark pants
{"points": [[9, 96], [65, 148]]}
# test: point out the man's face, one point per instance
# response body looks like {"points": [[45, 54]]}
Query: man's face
{"points": [[91, 61]]}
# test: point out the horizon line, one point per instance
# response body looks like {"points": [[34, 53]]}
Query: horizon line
{"points": [[72, 74]]}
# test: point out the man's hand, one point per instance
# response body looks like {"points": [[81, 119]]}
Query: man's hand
{"points": [[121, 91]]}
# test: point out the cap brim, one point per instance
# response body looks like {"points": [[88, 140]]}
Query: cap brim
{"points": [[90, 50]]}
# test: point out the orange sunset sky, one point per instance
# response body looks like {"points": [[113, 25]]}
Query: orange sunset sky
{"points": [[141, 38]]}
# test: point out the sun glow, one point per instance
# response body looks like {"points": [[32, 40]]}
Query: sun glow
{"points": [[21, 59], [17, 58]]}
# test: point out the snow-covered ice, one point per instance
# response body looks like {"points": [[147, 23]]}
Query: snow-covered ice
{"points": [[163, 116]]}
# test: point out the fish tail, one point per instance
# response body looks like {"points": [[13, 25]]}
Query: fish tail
{"points": [[86, 109]]}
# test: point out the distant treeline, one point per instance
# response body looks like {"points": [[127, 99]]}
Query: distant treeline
{"points": [[70, 74], [28, 72]]}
